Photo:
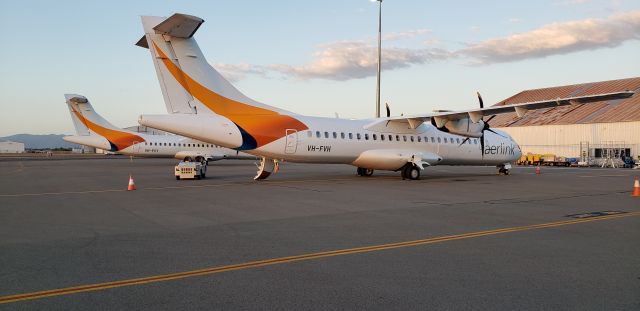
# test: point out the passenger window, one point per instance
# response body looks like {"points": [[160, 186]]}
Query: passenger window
{"points": [[145, 143], [411, 138], [318, 134], [404, 137], [350, 135], [397, 137], [358, 136], [381, 137], [335, 135], [342, 135], [457, 140], [326, 134], [390, 138], [475, 141], [438, 140]]}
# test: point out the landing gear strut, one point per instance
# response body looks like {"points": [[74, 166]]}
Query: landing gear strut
{"points": [[366, 172], [411, 172]]}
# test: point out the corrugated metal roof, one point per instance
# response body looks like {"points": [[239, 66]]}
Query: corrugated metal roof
{"points": [[602, 112]]}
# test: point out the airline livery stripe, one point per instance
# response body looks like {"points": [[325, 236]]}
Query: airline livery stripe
{"points": [[303, 257], [119, 139], [263, 125]]}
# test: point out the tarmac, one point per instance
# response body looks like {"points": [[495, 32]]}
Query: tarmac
{"points": [[315, 237]]}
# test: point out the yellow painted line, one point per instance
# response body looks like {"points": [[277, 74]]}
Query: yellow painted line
{"points": [[282, 260], [275, 182]]}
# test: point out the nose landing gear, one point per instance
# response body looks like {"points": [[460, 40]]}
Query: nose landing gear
{"points": [[503, 169], [366, 172]]}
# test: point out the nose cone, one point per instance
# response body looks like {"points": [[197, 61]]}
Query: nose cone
{"points": [[517, 151]]}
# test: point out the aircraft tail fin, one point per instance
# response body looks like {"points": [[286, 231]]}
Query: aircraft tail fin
{"points": [[189, 83], [84, 116], [94, 130]]}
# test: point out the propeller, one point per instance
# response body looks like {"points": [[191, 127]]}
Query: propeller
{"points": [[388, 110], [486, 127]]}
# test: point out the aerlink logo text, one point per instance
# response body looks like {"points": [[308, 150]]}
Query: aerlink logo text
{"points": [[502, 149]]}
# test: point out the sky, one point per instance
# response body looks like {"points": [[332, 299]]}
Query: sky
{"points": [[310, 57]]}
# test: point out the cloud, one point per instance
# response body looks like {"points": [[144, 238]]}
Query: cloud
{"points": [[347, 60], [557, 38], [236, 72]]}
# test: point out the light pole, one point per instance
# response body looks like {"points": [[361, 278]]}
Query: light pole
{"points": [[379, 57]]}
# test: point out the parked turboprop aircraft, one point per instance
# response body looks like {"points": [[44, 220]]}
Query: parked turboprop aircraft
{"points": [[205, 106], [94, 131]]}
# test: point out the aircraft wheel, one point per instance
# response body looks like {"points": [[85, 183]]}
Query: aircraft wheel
{"points": [[177, 177], [411, 172], [366, 172]]}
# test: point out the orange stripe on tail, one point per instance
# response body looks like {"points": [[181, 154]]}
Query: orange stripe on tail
{"points": [[120, 140], [262, 124]]}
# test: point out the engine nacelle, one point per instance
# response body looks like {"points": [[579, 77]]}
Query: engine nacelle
{"points": [[394, 159], [464, 127]]}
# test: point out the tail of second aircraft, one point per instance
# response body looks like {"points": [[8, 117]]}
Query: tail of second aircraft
{"points": [[93, 130], [190, 85]]}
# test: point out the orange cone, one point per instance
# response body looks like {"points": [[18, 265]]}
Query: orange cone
{"points": [[538, 170], [636, 189], [132, 185]]}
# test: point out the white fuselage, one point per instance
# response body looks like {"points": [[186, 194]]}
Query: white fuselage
{"points": [[163, 146], [331, 140]]}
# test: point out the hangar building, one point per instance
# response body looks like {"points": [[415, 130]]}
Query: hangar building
{"points": [[592, 132], [11, 147]]}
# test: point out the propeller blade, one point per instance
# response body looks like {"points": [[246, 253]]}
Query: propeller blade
{"points": [[494, 132], [388, 110], [464, 141], [482, 144], [491, 117], [480, 100]]}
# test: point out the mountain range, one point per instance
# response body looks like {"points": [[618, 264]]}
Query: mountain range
{"points": [[48, 141]]}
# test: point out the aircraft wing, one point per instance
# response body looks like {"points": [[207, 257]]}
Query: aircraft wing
{"points": [[476, 115]]}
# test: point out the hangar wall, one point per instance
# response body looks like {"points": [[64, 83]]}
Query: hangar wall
{"points": [[564, 140]]}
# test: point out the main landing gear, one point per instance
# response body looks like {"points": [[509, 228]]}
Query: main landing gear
{"points": [[503, 169], [361, 171], [411, 172], [266, 167]]}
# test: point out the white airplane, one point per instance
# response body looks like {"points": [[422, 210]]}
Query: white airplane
{"points": [[94, 131], [205, 106]]}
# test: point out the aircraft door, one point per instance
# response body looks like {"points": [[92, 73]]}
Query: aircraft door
{"points": [[291, 141]]}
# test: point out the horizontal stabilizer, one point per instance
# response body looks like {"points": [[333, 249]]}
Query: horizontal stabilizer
{"points": [[179, 25]]}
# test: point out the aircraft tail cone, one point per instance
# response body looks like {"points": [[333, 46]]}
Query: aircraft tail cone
{"points": [[132, 185], [636, 189]]}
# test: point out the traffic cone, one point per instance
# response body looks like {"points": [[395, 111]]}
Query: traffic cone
{"points": [[636, 189], [132, 186], [538, 170]]}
